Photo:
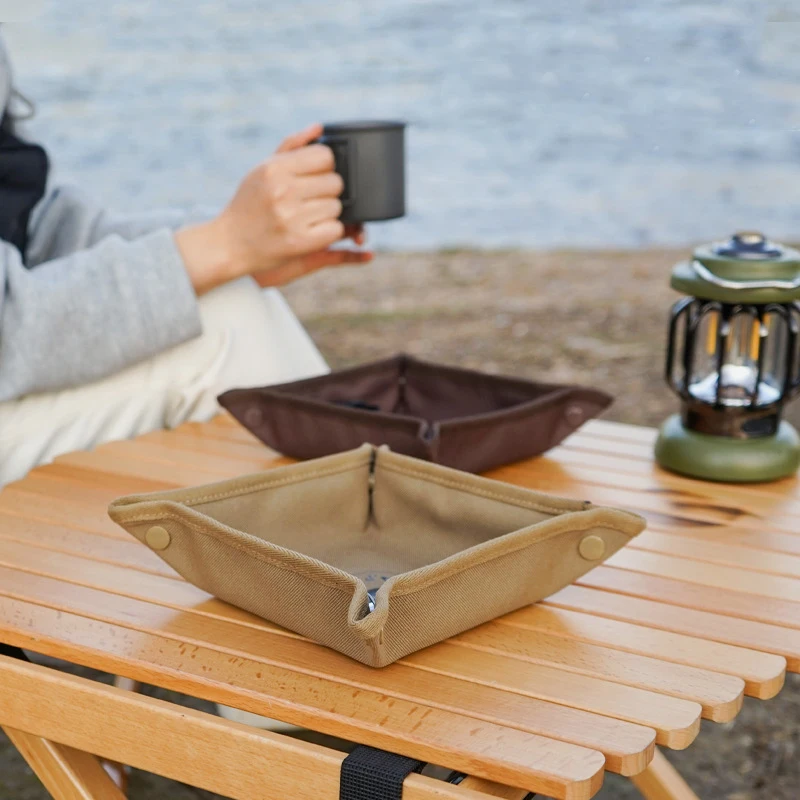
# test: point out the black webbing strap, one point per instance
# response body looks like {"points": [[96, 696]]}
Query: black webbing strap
{"points": [[12, 652], [370, 774]]}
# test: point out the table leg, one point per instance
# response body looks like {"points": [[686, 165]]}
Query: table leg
{"points": [[128, 684], [661, 781], [66, 773], [119, 772]]}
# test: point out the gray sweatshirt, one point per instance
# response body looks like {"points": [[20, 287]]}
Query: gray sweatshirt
{"points": [[104, 293]]}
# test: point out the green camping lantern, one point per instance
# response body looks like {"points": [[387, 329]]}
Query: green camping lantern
{"points": [[734, 360]]}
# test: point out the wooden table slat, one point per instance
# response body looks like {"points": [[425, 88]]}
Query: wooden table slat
{"points": [[79, 486], [769, 541], [85, 544], [489, 750], [723, 553], [626, 746], [644, 475], [184, 440], [69, 513], [599, 427], [706, 574], [719, 695], [223, 427], [619, 437], [644, 605], [547, 475], [763, 673], [216, 464], [106, 463], [784, 614], [676, 720]]}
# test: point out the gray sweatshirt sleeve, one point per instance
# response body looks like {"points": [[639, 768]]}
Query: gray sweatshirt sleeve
{"points": [[104, 294], [65, 222], [105, 291]]}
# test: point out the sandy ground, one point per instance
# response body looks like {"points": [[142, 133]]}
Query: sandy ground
{"points": [[597, 318], [594, 317]]}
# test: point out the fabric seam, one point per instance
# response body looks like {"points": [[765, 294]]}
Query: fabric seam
{"points": [[481, 492], [243, 491]]}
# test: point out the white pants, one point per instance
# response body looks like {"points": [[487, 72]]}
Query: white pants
{"points": [[250, 338]]}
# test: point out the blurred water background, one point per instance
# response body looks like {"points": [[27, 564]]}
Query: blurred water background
{"points": [[535, 124]]}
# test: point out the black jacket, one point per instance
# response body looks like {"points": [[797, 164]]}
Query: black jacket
{"points": [[23, 178]]}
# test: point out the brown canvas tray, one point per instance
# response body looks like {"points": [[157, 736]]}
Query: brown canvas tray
{"points": [[436, 551], [457, 417]]}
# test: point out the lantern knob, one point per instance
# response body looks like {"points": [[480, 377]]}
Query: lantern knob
{"points": [[750, 245]]}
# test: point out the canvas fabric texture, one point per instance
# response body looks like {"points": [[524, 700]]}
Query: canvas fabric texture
{"points": [[457, 417], [301, 546]]}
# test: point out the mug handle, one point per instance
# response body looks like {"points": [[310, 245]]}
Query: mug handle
{"points": [[344, 154]]}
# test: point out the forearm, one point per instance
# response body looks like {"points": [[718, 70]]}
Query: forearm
{"points": [[207, 254], [79, 318]]}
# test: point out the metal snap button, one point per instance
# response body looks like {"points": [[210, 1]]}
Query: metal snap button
{"points": [[592, 548], [574, 416], [157, 538], [253, 417]]}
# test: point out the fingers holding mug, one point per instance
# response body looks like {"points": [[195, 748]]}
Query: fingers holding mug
{"points": [[313, 159], [329, 184], [300, 139], [323, 234], [355, 232], [322, 209]]}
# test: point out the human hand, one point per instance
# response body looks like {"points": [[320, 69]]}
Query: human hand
{"points": [[279, 225], [296, 267]]}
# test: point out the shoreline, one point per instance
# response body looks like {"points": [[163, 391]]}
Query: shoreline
{"points": [[566, 316]]}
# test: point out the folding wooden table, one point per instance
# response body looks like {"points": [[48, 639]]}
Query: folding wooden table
{"points": [[699, 610]]}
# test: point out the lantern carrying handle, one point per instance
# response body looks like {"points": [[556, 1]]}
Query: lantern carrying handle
{"points": [[707, 275]]}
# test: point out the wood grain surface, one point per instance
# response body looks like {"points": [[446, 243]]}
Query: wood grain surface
{"points": [[699, 610]]}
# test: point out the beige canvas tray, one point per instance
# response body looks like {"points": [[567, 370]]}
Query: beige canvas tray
{"points": [[439, 551]]}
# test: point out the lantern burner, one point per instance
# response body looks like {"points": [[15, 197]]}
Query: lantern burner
{"points": [[733, 366], [737, 386]]}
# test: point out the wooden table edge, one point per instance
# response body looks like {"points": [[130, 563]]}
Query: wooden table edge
{"points": [[104, 721]]}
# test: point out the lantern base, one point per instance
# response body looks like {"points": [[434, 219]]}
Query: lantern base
{"points": [[719, 458]]}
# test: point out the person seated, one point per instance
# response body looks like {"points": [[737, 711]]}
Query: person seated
{"points": [[112, 326]]}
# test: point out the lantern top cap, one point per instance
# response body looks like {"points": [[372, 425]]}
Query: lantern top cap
{"points": [[751, 245], [747, 268], [749, 256]]}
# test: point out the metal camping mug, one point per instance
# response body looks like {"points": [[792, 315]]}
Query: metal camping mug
{"points": [[370, 157]]}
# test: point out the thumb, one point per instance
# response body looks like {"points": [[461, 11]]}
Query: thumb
{"points": [[300, 139], [297, 267]]}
